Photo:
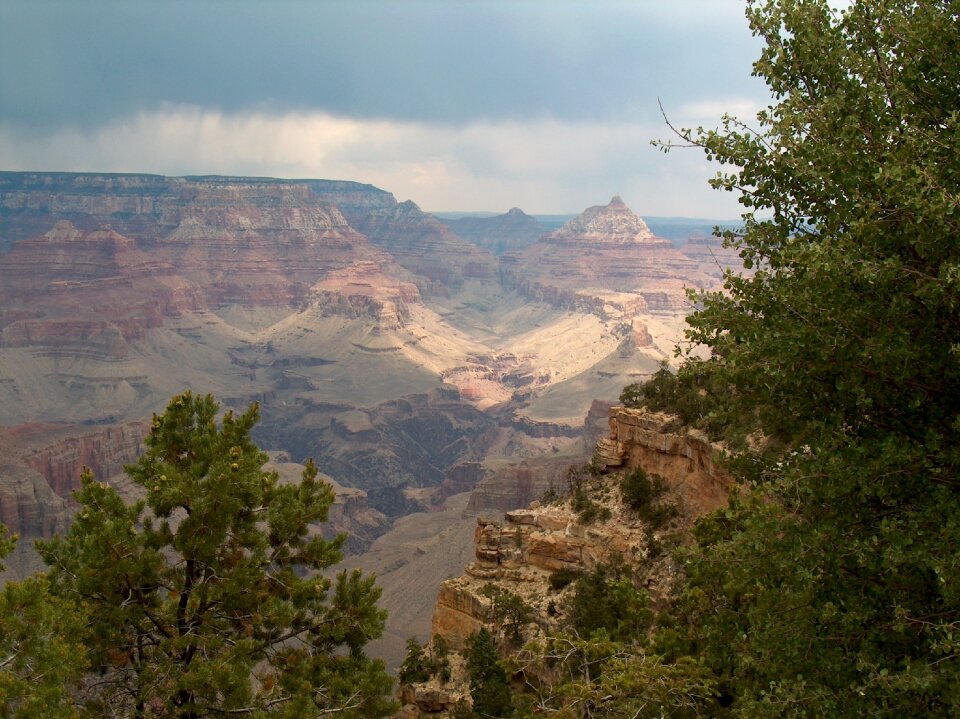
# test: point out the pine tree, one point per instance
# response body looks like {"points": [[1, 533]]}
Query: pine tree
{"points": [[42, 647], [489, 689], [205, 597]]}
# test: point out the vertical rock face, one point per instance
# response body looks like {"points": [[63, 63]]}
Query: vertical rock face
{"points": [[40, 466], [659, 444]]}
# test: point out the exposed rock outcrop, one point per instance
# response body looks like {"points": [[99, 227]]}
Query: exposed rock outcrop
{"points": [[362, 289], [661, 445], [40, 466], [520, 553]]}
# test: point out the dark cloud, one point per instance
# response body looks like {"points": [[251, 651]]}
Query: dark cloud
{"points": [[80, 64]]}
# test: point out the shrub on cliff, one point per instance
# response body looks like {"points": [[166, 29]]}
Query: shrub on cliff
{"points": [[642, 494], [510, 611], [605, 599], [414, 668], [829, 588], [211, 604]]}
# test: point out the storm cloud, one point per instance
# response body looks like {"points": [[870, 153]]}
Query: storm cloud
{"points": [[79, 80]]}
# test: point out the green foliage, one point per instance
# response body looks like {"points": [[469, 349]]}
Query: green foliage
{"points": [[42, 651], [211, 603], [697, 394], [420, 665], [641, 493], [830, 587], [560, 578], [414, 668], [489, 688], [551, 496], [440, 659], [605, 599], [509, 610], [598, 677], [581, 479], [6, 544], [665, 392], [588, 511], [462, 711]]}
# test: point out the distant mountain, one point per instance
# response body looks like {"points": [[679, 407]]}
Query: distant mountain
{"points": [[607, 260], [509, 232], [676, 229], [424, 245]]}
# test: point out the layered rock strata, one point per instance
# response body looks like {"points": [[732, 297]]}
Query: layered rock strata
{"points": [[72, 291], [425, 246], [41, 465], [660, 444]]}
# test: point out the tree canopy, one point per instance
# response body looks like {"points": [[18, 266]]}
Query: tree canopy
{"points": [[831, 586], [206, 598]]}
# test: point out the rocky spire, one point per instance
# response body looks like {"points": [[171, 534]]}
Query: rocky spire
{"points": [[614, 223]]}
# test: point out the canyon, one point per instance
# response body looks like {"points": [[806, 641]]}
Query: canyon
{"points": [[429, 374]]}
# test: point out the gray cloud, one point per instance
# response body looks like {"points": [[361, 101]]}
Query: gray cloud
{"points": [[541, 165], [82, 64]]}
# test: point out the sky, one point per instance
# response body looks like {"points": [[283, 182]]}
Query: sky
{"points": [[458, 105]]}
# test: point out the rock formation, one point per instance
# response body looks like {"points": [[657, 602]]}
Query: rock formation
{"points": [[521, 553], [88, 291], [530, 543], [605, 261], [662, 445], [376, 340], [40, 467]]}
